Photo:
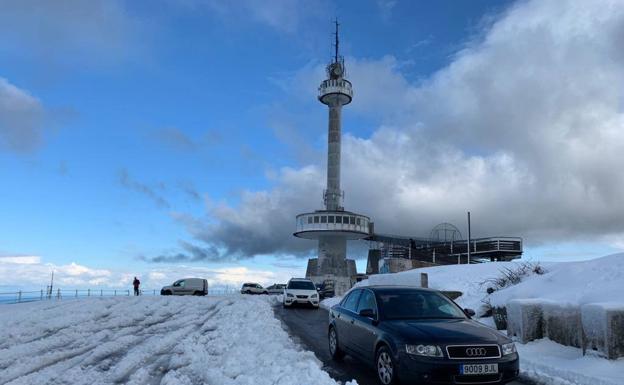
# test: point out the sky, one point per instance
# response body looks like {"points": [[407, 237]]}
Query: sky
{"points": [[181, 137]]}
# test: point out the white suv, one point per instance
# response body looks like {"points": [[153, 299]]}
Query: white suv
{"points": [[253, 288], [301, 291]]}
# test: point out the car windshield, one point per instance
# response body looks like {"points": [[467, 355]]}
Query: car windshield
{"points": [[301, 285], [417, 304]]}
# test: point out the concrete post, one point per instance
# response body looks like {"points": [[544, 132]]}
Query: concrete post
{"points": [[424, 280]]}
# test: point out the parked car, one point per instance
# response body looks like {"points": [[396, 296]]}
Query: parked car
{"points": [[300, 291], [319, 290], [186, 286], [327, 288], [419, 336], [253, 288], [277, 288]]}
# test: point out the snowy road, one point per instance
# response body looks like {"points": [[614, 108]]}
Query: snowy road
{"points": [[309, 326], [151, 340]]}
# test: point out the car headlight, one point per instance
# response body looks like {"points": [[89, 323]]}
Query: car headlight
{"points": [[289, 295], [424, 350], [509, 348], [314, 296]]}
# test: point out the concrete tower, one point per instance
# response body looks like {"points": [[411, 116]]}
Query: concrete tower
{"points": [[333, 226]]}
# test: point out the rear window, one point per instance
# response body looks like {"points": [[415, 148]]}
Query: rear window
{"points": [[301, 285]]}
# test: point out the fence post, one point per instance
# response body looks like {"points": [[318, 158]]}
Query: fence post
{"points": [[115, 293], [58, 293], [88, 292], [128, 292], [76, 293], [101, 292], [41, 297], [154, 291], [19, 296]]}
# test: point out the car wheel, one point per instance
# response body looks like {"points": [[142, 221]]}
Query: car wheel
{"points": [[198, 293], [248, 292], [334, 350], [386, 370], [167, 292]]}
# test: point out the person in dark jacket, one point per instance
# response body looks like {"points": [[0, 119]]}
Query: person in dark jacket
{"points": [[136, 284]]}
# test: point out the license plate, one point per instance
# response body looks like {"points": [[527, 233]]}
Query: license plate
{"points": [[478, 369]]}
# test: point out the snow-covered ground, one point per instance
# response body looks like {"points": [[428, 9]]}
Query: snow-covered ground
{"points": [[152, 340], [577, 283], [554, 364]]}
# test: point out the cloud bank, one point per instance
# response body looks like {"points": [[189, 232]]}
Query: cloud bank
{"points": [[524, 128], [31, 273]]}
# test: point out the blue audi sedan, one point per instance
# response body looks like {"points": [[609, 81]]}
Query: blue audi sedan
{"points": [[419, 336]]}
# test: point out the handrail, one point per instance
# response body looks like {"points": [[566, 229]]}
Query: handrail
{"points": [[22, 296]]}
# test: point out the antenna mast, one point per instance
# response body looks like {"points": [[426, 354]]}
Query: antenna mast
{"points": [[336, 45]]}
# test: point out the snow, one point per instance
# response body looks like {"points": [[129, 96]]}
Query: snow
{"points": [[464, 278], [152, 340], [554, 364], [575, 283]]}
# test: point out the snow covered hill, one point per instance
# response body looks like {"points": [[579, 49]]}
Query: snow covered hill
{"points": [[151, 340]]}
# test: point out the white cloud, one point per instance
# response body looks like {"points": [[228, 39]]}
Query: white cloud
{"points": [[21, 260], [21, 119], [29, 272], [525, 128]]}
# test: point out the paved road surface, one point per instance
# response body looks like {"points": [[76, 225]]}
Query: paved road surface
{"points": [[309, 327]]}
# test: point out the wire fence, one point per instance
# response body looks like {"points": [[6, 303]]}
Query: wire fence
{"points": [[21, 296]]}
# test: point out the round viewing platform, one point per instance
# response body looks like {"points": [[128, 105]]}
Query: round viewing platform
{"points": [[335, 88], [335, 223]]}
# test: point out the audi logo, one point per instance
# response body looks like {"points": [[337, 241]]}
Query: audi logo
{"points": [[476, 352]]}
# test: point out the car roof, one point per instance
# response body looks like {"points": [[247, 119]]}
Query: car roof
{"points": [[301, 279], [384, 288]]}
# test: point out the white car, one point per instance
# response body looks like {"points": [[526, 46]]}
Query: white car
{"points": [[186, 286], [253, 288], [277, 288], [301, 291]]}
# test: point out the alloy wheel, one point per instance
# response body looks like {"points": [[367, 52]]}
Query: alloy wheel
{"points": [[385, 368], [332, 341]]}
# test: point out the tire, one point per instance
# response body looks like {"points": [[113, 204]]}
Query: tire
{"points": [[198, 293], [248, 292], [166, 292], [334, 349], [386, 367]]}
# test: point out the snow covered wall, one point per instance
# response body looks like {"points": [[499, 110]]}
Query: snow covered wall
{"points": [[151, 340]]}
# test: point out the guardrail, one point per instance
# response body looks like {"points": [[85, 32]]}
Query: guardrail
{"points": [[22, 296]]}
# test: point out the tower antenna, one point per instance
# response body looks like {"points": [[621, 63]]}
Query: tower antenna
{"points": [[336, 54]]}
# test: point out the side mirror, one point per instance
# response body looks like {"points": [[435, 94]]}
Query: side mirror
{"points": [[469, 312], [369, 313]]}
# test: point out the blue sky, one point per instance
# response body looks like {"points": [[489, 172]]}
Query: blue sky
{"points": [[151, 125]]}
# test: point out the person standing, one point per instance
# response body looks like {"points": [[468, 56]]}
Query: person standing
{"points": [[136, 284]]}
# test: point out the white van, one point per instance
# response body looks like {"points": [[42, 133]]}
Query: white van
{"points": [[186, 286]]}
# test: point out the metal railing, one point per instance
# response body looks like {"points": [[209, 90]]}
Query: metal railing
{"points": [[22, 296]]}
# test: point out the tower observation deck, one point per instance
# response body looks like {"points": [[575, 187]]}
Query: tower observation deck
{"points": [[333, 226]]}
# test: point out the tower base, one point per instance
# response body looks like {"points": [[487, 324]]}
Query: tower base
{"points": [[343, 274]]}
